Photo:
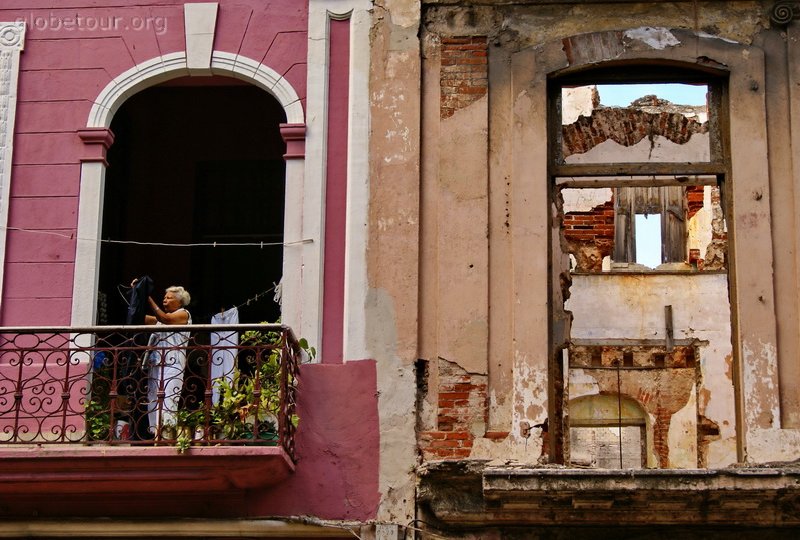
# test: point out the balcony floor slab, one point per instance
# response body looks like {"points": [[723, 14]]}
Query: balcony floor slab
{"points": [[65, 469]]}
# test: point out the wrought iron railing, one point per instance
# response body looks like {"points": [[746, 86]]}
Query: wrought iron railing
{"points": [[133, 385]]}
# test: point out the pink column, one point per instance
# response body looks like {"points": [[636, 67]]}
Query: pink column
{"points": [[336, 192]]}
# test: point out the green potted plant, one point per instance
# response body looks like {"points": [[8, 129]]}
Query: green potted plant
{"points": [[250, 404]]}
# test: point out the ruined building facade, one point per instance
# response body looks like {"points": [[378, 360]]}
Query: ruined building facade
{"points": [[552, 355]]}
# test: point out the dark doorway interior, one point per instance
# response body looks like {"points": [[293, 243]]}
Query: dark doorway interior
{"points": [[196, 161]]}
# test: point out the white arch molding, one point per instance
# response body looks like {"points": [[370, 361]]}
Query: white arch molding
{"points": [[90, 206]]}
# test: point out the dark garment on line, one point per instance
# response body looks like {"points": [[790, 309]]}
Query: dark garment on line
{"points": [[131, 382], [137, 300]]}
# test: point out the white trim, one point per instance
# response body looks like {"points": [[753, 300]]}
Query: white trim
{"points": [[315, 169], [87, 246], [12, 41], [199, 26], [90, 205], [173, 65], [356, 281], [356, 284]]}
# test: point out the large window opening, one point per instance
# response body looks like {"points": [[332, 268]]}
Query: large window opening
{"points": [[196, 163], [639, 174]]}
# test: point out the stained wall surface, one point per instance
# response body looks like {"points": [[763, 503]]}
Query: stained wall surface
{"points": [[494, 235]]}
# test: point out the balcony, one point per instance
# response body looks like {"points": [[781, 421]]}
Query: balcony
{"points": [[199, 408]]}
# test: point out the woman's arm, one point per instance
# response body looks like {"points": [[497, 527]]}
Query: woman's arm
{"points": [[180, 316]]}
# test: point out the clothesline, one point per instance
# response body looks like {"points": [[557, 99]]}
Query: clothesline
{"points": [[256, 297], [247, 302], [165, 244]]}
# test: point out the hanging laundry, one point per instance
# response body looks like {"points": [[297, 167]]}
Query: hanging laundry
{"points": [[223, 351]]}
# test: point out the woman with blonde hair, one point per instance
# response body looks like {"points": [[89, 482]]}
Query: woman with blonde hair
{"points": [[167, 359]]}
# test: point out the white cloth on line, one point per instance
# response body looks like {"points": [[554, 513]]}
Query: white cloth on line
{"points": [[223, 352]]}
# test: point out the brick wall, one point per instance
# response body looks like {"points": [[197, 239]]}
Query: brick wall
{"points": [[596, 224], [694, 198], [661, 436], [462, 411], [464, 75], [626, 126]]}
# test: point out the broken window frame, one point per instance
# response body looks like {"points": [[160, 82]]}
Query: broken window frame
{"points": [[561, 175]]}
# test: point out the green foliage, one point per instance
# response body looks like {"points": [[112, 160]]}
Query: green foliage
{"points": [[311, 351], [253, 397], [98, 419]]}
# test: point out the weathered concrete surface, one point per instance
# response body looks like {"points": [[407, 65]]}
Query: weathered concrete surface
{"points": [[493, 494], [633, 309], [393, 256], [521, 25]]}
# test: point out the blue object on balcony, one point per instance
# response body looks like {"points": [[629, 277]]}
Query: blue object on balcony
{"points": [[98, 360]]}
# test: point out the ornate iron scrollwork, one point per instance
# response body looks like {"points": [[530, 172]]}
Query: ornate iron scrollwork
{"points": [[783, 13]]}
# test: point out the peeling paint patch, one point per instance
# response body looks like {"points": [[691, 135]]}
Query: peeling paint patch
{"points": [[530, 390], [760, 367], [657, 38], [706, 35]]}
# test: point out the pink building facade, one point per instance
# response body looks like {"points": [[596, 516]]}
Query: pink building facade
{"points": [[222, 125]]}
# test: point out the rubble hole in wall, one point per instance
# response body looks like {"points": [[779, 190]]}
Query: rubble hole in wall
{"points": [[639, 223], [629, 123], [684, 229]]}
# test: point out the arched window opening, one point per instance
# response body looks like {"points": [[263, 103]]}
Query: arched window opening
{"points": [[196, 161], [608, 431]]}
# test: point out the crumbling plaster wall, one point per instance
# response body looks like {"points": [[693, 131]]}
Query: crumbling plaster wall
{"points": [[519, 25], [525, 46], [393, 240]]}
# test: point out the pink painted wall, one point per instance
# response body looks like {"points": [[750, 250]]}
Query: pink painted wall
{"points": [[336, 475], [336, 192], [70, 56]]}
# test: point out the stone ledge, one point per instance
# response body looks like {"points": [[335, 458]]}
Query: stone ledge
{"points": [[473, 494]]}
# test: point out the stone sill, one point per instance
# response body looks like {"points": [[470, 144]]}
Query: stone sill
{"points": [[66, 469], [500, 480]]}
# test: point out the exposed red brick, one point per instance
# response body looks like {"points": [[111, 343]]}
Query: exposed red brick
{"points": [[454, 395], [464, 73], [618, 124], [462, 400], [694, 197]]}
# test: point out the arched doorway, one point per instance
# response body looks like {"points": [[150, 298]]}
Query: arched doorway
{"points": [[196, 163]]}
